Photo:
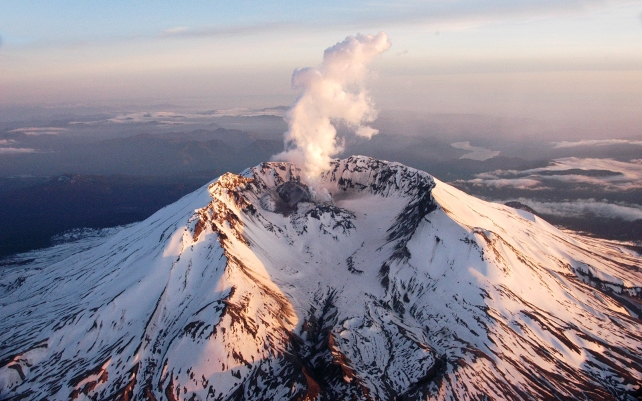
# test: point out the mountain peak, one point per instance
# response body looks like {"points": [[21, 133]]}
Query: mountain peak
{"points": [[376, 281]]}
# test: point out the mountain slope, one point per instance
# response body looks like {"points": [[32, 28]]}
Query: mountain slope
{"points": [[375, 282]]}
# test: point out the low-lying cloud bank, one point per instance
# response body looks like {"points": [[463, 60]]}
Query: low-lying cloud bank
{"points": [[6, 151], [584, 207], [605, 174], [179, 118], [39, 130], [489, 180], [596, 142]]}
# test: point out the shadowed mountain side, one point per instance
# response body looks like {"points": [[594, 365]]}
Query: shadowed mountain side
{"points": [[30, 216]]}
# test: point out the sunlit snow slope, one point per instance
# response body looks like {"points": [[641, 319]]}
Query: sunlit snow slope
{"points": [[380, 283]]}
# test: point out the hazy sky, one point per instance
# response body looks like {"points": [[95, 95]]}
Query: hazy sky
{"points": [[555, 59]]}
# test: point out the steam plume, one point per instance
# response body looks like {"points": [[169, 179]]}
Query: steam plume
{"points": [[332, 92]]}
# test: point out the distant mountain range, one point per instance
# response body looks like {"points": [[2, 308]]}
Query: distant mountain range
{"points": [[142, 154]]}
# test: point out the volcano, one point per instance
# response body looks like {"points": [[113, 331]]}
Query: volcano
{"points": [[374, 282]]}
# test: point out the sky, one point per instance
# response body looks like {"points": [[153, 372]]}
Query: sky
{"points": [[572, 63]]}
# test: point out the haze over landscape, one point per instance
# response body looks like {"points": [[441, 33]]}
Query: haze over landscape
{"points": [[143, 145], [572, 65]]}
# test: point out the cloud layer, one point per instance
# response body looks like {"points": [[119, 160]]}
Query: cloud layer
{"points": [[596, 142], [604, 174], [333, 93], [39, 130], [7, 151], [167, 118]]}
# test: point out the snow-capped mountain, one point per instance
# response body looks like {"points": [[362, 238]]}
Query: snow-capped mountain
{"points": [[376, 282]]}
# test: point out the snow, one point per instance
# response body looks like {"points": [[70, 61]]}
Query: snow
{"points": [[390, 284]]}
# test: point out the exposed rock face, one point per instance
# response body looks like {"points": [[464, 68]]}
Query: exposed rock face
{"points": [[390, 286], [285, 198], [293, 192]]}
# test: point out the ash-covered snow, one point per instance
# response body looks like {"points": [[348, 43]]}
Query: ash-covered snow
{"points": [[389, 285]]}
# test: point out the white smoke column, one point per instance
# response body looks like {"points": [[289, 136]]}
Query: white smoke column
{"points": [[332, 92]]}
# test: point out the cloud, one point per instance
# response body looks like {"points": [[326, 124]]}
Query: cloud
{"points": [[583, 207], [159, 117], [446, 16], [7, 141], [596, 142], [174, 33], [476, 153], [519, 183], [4, 151], [459, 15], [629, 177], [144, 117], [167, 118], [175, 30], [228, 30], [39, 130], [245, 112], [333, 92], [302, 18], [607, 174]]}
